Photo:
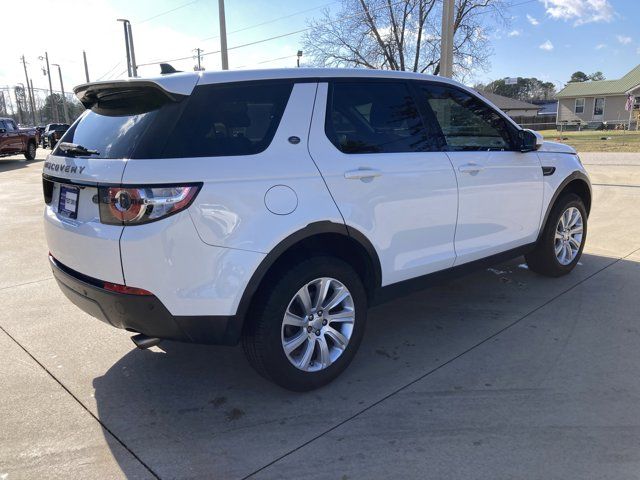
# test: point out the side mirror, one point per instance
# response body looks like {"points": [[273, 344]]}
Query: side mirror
{"points": [[530, 140]]}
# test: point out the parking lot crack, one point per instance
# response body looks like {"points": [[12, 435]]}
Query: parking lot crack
{"points": [[444, 364]]}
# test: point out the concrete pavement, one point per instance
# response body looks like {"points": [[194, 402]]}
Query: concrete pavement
{"points": [[501, 374]]}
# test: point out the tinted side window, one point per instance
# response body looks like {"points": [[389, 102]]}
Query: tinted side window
{"points": [[10, 125], [374, 117], [466, 122], [235, 119]]}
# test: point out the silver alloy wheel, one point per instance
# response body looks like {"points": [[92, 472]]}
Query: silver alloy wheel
{"points": [[318, 324], [568, 235]]}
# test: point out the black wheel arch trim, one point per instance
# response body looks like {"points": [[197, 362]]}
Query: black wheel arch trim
{"points": [[311, 230], [577, 175]]}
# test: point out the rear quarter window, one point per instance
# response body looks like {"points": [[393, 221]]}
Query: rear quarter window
{"points": [[231, 119]]}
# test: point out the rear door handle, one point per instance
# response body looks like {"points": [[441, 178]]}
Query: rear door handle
{"points": [[362, 173], [471, 168]]}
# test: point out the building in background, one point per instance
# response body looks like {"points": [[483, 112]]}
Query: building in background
{"points": [[599, 104]]}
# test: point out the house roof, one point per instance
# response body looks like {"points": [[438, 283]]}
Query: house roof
{"points": [[506, 103], [602, 87]]}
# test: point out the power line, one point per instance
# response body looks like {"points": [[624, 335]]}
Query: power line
{"points": [[275, 37], [168, 11], [273, 21], [109, 71], [291, 55]]}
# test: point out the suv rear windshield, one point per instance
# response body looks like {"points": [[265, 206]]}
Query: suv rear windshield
{"points": [[215, 120]]}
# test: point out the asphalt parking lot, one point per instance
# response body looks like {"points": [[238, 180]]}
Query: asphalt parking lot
{"points": [[500, 374]]}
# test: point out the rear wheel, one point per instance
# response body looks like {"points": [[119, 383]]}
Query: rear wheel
{"points": [[560, 246], [30, 154], [305, 329]]}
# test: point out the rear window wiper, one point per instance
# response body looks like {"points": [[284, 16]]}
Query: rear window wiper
{"points": [[75, 149]]}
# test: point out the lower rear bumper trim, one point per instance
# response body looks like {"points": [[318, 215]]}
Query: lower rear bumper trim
{"points": [[142, 313]]}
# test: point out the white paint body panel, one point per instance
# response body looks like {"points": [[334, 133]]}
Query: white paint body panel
{"points": [[188, 276], [84, 244], [500, 204], [408, 213]]}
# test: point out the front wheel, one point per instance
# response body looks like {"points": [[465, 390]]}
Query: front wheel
{"points": [[30, 154], [560, 246], [304, 330]]}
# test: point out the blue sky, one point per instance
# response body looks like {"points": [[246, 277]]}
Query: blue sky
{"points": [[548, 39]]}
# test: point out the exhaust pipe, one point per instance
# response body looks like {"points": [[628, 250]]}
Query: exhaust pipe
{"points": [[143, 342]]}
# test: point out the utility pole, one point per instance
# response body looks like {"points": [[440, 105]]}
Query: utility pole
{"points": [[126, 44], [86, 67], [199, 54], [30, 98], [223, 36], [134, 66], [446, 45], [33, 96], [52, 100], [64, 100]]}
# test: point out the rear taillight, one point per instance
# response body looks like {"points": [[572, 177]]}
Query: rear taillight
{"points": [[138, 205]]}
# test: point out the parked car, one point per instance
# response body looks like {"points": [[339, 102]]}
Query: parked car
{"points": [[14, 140], [52, 133], [276, 206]]}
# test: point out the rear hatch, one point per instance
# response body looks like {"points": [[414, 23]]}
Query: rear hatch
{"points": [[124, 120]]}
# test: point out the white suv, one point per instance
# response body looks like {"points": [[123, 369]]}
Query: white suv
{"points": [[275, 206]]}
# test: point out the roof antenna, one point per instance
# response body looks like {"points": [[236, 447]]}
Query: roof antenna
{"points": [[166, 69]]}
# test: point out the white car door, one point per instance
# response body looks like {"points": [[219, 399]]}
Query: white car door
{"points": [[500, 188], [387, 178]]}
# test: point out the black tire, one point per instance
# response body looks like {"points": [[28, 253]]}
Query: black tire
{"points": [[262, 341], [543, 258], [30, 154]]}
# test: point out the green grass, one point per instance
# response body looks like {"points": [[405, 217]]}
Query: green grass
{"points": [[592, 141]]}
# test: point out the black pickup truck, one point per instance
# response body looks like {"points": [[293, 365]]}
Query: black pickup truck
{"points": [[14, 140], [52, 133]]}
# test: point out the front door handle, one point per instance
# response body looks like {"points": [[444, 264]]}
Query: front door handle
{"points": [[471, 168], [362, 173]]}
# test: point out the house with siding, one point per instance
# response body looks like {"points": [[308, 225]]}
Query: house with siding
{"points": [[598, 102]]}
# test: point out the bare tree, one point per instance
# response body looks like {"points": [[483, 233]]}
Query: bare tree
{"points": [[401, 35]]}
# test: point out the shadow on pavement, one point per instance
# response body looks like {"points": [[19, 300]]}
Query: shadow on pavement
{"points": [[8, 164], [201, 411]]}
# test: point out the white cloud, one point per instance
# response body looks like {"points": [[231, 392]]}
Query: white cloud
{"points": [[547, 46], [532, 20], [624, 40], [581, 11], [600, 46], [514, 33]]}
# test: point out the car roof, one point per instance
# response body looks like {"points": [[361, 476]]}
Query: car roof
{"points": [[184, 82]]}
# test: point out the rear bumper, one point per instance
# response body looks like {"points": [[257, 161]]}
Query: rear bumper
{"points": [[142, 313]]}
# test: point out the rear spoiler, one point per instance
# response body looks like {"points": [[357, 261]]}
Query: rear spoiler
{"points": [[143, 95]]}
